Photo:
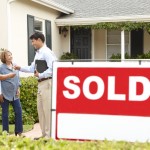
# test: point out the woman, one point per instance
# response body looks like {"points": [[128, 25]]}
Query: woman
{"points": [[10, 92]]}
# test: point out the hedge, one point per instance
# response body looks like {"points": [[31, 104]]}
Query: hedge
{"points": [[19, 143], [28, 97], [141, 56]]}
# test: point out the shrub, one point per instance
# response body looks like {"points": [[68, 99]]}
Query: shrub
{"points": [[20, 143], [118, 56], [68, 55], [142, 56], [28, 96]]}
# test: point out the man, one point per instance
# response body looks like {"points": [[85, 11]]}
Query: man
{"points": [[44, 81]]}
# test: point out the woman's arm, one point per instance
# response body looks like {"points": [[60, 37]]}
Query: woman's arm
{"points": [[6, 76]]}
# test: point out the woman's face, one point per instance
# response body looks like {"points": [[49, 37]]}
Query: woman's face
{"points": [[8, 57]]}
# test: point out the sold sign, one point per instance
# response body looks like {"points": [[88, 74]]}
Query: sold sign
{"points": [[97, 102], [133, 80]]}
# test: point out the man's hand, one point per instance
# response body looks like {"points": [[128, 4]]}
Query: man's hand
{"points": [[1, 98], [17, 67], [36, 73]]}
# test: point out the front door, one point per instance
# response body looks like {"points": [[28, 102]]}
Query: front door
{"points": [[81, 43]]}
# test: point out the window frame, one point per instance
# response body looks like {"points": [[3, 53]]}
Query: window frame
{"points": [[127, 42]]}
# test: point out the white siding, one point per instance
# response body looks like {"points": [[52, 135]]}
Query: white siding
{"points": [[19, 44]]}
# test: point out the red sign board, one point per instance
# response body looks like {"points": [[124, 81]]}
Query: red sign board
{"points": [[114, 91], [103, 101]]}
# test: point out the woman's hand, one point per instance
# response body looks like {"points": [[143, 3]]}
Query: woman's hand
{"points": [[6, 76], [11, 75], [18, 93], [1, 98]]}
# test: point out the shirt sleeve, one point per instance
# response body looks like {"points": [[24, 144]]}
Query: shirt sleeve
{"points": [[30, 68]]}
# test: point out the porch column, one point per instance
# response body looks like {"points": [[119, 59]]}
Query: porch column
{"points": [[122, 45], [93, 50]]}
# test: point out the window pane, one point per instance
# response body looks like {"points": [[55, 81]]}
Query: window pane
{"points": [[113, 49], [114, 42], [38, 25]]}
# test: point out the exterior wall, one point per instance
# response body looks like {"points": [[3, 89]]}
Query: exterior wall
{"points": [[65, 43], [146, 42], [99, 44], [19, 41], [3, 26]]}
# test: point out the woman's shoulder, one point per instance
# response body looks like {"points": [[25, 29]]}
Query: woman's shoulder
{"points": [[2, 68], [2, 65]]}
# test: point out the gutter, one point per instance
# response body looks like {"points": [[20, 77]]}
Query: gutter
{"points": [[92, 21], [54, 5]]}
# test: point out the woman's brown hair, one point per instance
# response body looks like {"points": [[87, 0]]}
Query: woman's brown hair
{"points": [[3, 55]]}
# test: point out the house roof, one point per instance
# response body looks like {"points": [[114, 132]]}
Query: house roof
{"points": [[88, 12], [54, 5]]}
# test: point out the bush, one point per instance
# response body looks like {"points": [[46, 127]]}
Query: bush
{"points": [[28, 97], [142, 56], [68, 55], [20, 143], [118, 56]]}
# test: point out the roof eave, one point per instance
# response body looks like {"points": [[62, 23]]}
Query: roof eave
{"points": [[92, 21], [54, 5]]}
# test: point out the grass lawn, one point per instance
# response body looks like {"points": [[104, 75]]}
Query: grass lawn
{"points": [[11, 128]]}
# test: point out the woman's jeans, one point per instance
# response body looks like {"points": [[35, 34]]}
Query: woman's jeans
{"points": [[18, 115]]}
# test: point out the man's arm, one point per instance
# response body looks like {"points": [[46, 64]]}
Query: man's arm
{"points": [[30, 68]]}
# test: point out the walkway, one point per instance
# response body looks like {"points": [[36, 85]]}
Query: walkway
{"points": [[35, 132]]}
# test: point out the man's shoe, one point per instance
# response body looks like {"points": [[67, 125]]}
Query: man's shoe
{"points": [[37, 138], [20, 134]]}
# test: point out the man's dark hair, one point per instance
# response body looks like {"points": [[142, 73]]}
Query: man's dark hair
{"points": [[37, 35]]}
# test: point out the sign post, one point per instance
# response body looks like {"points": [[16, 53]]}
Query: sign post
{"points": [[101, 100]]}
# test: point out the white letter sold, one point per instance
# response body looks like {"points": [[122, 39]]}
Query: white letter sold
{"points": [[71, 86], [111, 90], [100, 87], [133, 88]]}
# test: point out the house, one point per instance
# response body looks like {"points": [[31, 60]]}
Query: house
{"points": [[20, 18], [58, 19]]}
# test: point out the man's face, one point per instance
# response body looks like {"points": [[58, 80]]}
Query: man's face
{"points": [[36, 43]]}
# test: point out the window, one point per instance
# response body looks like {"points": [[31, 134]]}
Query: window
{"points": [[39, 25], [114, 42]]}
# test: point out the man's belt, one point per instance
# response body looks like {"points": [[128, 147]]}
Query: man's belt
{"points": [[43, 79]]}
